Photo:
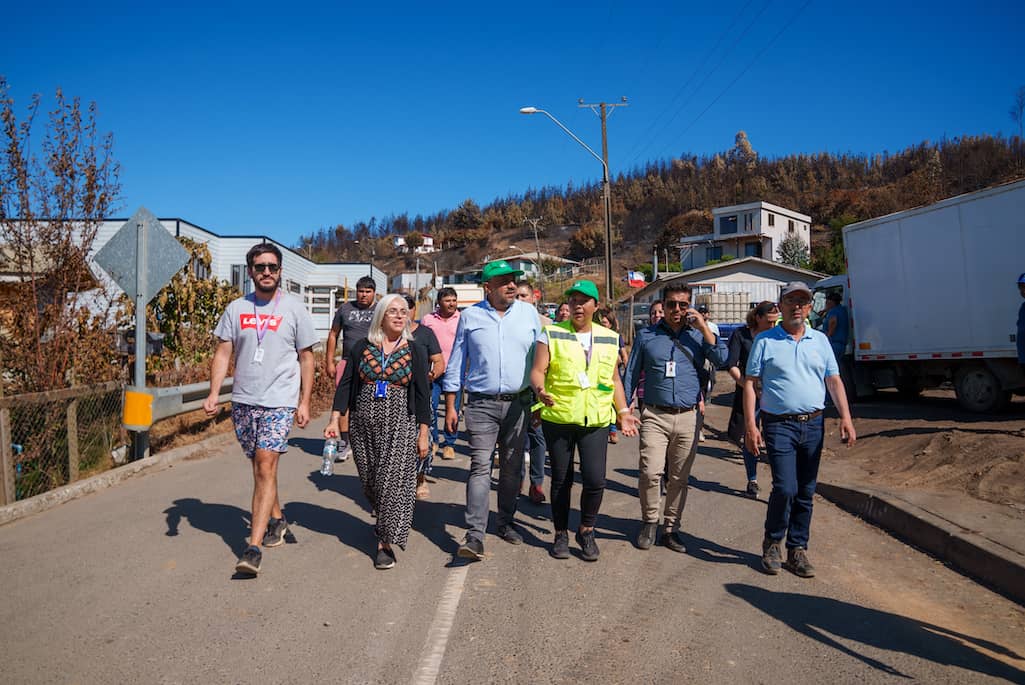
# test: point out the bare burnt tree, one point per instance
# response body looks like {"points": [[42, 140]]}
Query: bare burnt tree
{"points": [[54, 193]]}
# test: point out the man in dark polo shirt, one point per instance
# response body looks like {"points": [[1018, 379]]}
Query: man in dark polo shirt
{"points": [[671, 354]]}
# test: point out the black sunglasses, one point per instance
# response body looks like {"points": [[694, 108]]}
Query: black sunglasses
{"points": [[260, 268], [673, 304]]}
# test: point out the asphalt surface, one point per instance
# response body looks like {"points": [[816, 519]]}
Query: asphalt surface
{"points": [[136, 584]]}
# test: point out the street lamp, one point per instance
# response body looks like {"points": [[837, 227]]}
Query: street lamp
{"points": [[607, 194]]}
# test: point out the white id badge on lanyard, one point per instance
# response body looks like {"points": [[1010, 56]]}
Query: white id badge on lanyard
{"points": [[585, 382], [258, 356], [670, 369]]}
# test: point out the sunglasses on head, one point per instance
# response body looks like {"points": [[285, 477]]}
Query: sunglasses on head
{"points": [[260, 268], [673, 304]]}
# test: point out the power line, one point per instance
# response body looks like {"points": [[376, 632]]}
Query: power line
{"points": [[697, 69], [761, 52]]}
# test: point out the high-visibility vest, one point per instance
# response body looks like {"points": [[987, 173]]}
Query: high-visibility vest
{"points": [[591, 406]]}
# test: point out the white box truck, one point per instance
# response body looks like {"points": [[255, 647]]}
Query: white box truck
{"points": [[932, 297]]}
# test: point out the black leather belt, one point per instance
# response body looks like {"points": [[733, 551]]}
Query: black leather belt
{"points": [[501, 397], [669, 410], [802, 418]]}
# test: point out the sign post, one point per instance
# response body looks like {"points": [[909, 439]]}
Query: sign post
{"points": [[141, 258]]}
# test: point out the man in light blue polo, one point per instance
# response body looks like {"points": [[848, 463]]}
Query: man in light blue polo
{"points": [[495, 344], [794, 365]]}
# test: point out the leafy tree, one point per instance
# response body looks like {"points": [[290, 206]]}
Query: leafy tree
{"points": [[414, 240], [793, 251], [54, 194]]}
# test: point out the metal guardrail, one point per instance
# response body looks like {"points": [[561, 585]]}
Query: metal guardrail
{"points": [[180, 399]]}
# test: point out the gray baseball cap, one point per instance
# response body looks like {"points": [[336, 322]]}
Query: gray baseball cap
{"points": [[794, 287]]}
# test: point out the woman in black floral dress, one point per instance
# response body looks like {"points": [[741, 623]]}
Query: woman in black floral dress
{"points": [[384, 388]]}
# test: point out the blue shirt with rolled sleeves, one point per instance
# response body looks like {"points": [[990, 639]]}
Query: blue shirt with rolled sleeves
{"points": [[496, 351], [656, 345], [792, 372]]}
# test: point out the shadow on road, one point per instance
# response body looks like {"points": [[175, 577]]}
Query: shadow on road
{"points": [[830, 620], [713, 552], [314, 446], [225, 520]]}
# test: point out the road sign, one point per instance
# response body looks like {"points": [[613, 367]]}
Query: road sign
{"points": [[163, 256]]}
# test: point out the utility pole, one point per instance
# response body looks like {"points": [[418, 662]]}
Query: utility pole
{"points": [[603, 110], [534, 222]]}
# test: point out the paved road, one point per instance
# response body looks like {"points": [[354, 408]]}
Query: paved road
{"points": [[135, 584]]}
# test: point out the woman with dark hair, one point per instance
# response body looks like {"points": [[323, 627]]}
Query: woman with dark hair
{"points": [[761, 318], [385, 387]]}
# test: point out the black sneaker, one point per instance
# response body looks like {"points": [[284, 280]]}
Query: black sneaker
{"points": [[277, 533], [249, 562], [510, 534], [772, 556], [646, 538], [673, 541], [753, 489], [588, 547], [797, 562], [385, 559], [560, 549], [472, 548]]}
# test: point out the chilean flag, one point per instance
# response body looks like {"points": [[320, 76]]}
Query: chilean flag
{"points": [[635, 279]]}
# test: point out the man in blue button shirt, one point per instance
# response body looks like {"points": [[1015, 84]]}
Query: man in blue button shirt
{"points": [[794, 365], [672, 355], [495, 344]]}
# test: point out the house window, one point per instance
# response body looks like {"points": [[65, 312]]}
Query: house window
{"points": [[294, 287], [772, 219], [790, 226], [240, 279], [714, 252], [201, 270], [753, 249], [727, 224]]}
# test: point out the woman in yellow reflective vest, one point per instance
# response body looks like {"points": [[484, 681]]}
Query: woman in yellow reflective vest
{"points": [[576, 380]]}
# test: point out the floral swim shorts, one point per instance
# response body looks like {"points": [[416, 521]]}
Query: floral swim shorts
{"points": [[262, 428]]}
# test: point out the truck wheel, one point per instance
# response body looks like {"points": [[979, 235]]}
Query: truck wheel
{"points": [[978, 390]]}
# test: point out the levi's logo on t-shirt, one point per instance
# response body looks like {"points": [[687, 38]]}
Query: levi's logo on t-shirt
{"points": [[267, 321]]}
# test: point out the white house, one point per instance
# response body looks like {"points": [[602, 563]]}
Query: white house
{"points": [[399, 243], [321, 286], [755, 229], [410, 282], [751, 279]]}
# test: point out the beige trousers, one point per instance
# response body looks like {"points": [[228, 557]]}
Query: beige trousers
{"points": [[666, 438]]}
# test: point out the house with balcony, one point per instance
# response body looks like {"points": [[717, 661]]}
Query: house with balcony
{"points": [[426, 247], [754, 229]]}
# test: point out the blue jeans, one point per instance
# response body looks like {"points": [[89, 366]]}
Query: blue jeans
{"points": [[435, 402], [793, 449], [537, 448]]}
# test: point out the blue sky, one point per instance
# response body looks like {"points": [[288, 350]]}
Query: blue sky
{"points": [[279, 119]]}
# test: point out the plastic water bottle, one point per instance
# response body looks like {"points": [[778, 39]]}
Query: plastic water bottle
{"points": [[330, 450]]}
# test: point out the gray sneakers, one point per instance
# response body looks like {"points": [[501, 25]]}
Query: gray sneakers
{"points": [[249, 563], [772, 556], [798, 564], [277, 533]]}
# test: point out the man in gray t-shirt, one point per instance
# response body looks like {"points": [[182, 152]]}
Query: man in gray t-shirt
{"points": [[270, 336]]}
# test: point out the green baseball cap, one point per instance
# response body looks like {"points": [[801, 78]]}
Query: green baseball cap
{"points": [[584, 288], [498, 267]]}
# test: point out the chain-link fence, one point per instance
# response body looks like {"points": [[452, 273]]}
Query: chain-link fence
{"points": [[49, 439]]}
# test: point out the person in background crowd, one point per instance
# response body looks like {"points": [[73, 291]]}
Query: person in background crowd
{"points": [[1020, 338], [836, 325], [574, 375], [793, 365], [536, 448], [270, 335], [425, 337], [709, 372], [495, 343], [606, 317], [352, 320], [761, 318], [386, 388], [703, 311], [444, 321], [672, 355], [562, 313], [656, 312]]}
